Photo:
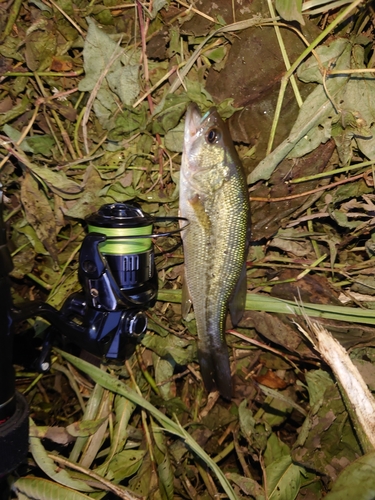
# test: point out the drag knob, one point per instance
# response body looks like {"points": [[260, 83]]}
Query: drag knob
{"points": [[136, 323]]}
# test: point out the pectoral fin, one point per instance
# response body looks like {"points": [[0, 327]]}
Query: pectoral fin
{"points": [[201, 215], [238, 300]]}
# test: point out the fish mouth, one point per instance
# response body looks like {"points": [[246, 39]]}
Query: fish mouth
{"points": [[193, 122]]}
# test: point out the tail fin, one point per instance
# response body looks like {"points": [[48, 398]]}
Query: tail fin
{"points": [[215, 369]]}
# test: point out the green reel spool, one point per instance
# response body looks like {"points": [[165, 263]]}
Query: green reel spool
{"points": [[118, 241], [128, 254], [128, 247], [123, 225]]}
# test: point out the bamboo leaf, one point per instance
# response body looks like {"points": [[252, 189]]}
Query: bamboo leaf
{"points": [[258, 302], [48, 466], [37, 488], [113, 384], [125, 464], [123, 411], [85, 427]]}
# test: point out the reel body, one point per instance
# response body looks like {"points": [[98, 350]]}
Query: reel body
{"points": [[119, 280]]}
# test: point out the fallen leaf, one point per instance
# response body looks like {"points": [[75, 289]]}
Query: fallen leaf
{"points": [[39, 213]]}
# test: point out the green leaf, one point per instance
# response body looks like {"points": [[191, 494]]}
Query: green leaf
{"points": [[354, 111], [41, 144], [122, 75], [174, 138], [40, 48], [317, 382], [105, 106], [127, 121], [24, 261], [255, 433], [156, 6], [198, 94], [247, 421], [57, 182], [41, 6], [283, 479], [315, 110], [165, 471], [39, 213], [69, 285], [123, 410], [290, 10], [48, 466], [181, 350], [357, 481], [113, 384], [11, 48], [97, 51], [85, 427], [164, 370], [38, 144], [125, 464], [156, 327], [310, 70], [16, 110], [343, 221], [92, 198], [248, 485], [42, 489], [216, 54], [144, 481], [31, 235], [357, 98], [276, 409], [14, 134], [226, 108], [87, 204], [123, 80], [168, 117], [263, 302], [286, 403], [275, 450], [326, 425]]}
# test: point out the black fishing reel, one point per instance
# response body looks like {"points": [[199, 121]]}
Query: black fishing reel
{"points": [[119, 283], [106, 319]]}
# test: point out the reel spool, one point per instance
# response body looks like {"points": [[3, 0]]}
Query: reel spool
{"points": [[129, 255]]}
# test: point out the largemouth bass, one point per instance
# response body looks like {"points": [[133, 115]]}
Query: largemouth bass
{"points": [[214, 198]]}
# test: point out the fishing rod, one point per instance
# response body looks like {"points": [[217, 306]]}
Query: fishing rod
{"points": [[106, 319]]}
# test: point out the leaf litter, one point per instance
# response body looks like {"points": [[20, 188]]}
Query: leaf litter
{"points": [[92, 100]]}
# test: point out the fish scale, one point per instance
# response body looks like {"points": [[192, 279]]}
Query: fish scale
{"points": [[213, 197]]}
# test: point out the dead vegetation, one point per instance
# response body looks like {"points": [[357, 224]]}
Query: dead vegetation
{"points": [[92, 100]]}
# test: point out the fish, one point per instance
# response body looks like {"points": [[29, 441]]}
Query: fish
{"points": [[214, 199]]}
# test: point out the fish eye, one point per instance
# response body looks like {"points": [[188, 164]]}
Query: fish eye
{"points": [[213, 135]]}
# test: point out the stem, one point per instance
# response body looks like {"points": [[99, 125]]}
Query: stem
{"points": [[15, 10], [298, 61]]}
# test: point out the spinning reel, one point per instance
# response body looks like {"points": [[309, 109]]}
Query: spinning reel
{"points": [[107, 318]]}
